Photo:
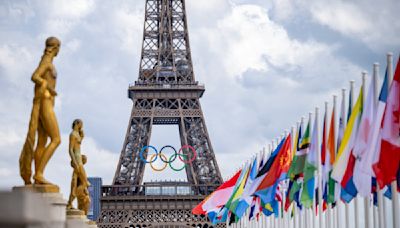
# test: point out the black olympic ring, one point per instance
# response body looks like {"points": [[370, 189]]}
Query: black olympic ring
{"points": [[169, 160]]}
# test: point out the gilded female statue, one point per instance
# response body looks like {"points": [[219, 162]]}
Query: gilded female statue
{"points": [[79, 178], [43, 120]]}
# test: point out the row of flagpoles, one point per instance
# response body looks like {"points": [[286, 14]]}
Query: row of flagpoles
{"points": [[343, 174]]}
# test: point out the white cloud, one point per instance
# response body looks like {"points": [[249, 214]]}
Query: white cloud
{"points": [[128, 25], [260, 80], [371, 22], [71, 9], [11, 57]]}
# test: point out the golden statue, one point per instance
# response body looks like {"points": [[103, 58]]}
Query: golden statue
{"points": [[79, 182], [43, 119]]}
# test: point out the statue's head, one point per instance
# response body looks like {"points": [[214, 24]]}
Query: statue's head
{"points": [[77, 124], [52, 45]]}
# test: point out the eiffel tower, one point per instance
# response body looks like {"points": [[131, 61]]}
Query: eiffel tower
{"points": [[166, 92]]}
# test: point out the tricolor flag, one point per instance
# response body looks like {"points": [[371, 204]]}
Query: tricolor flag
{"points": [[387, 167]]}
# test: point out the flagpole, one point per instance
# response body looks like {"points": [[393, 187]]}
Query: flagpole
{"points": [[379, 192], [351, 94], [319, 168], [328, 211], [367, 211], [334, 210], [346, 206], [310, 219]]}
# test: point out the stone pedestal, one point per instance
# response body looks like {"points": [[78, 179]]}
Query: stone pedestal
{"points": [[76, 219], [57, 214], [32, 207], [91, 224]]}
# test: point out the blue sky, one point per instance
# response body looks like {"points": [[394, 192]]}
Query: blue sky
{"points": [[264, 63]]}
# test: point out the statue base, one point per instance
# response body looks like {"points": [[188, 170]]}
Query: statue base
{"points": [[91, 224], [76, 218], [32, 206], [39, 188]]}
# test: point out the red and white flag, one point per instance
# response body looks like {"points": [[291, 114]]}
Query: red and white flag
{"points": [[389, 158]]}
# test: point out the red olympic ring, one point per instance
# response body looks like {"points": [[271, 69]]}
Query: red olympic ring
{"points": [[192, 158]]}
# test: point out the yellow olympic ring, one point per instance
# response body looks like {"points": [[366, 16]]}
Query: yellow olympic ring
{"points": [[151, 163]]}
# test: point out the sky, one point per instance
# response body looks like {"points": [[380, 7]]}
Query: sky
{"points": [[265, 64]]}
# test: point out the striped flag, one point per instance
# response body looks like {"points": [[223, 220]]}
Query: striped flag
{"points": [[345, 161]]}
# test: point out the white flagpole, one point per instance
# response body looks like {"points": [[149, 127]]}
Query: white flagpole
{"points": [[339, 204], [333, 212], [367, 211], [319, 167], [327, 214], [356, 198], [381, 206], [310, 219], [346, 206]]}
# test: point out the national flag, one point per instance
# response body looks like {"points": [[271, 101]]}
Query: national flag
{"points": [[237, 193], [264, 170], [245, 200], [329, 194], [297, 167], [278, 172], [310, 167], [342, 126], [363, 182], [347, 189], [280, 167], [343, 163], [217, 198], [371, 154], [295, 145], [387, 167]]}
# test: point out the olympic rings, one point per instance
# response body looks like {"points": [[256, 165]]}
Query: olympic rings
{"points": [[168, 161], [170, 164], [193, 151], [162, 168], [151, 159]]}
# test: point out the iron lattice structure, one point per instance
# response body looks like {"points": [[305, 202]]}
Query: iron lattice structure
{"points": [[165, 93]]}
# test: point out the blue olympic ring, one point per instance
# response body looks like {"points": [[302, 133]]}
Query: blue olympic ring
{"points": [[141, 154]]}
